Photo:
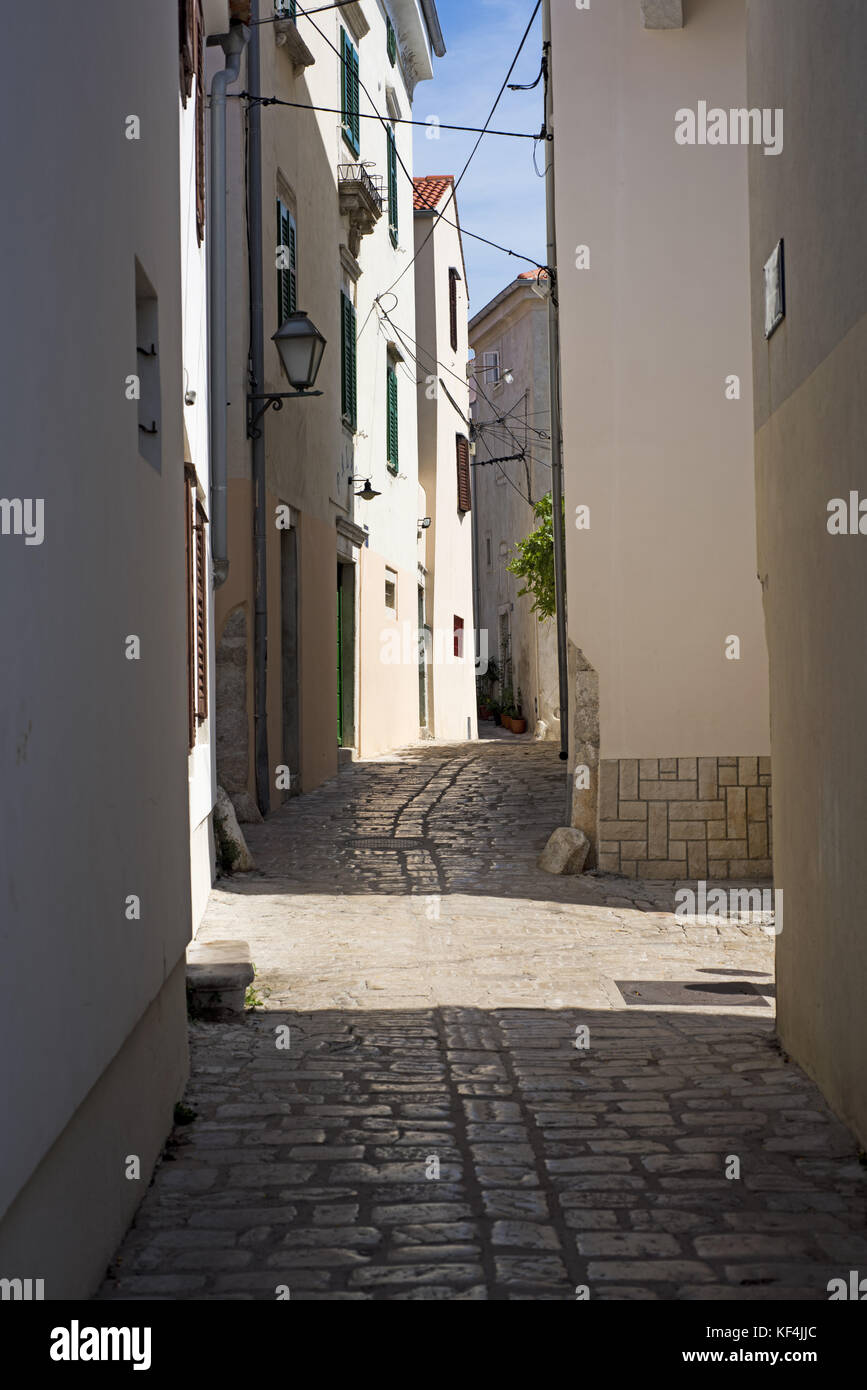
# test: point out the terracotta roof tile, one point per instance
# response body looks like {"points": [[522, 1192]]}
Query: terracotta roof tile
{"points": [[429, 190]]}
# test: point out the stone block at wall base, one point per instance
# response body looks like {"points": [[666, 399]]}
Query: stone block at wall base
{"points": [[685, 817]]}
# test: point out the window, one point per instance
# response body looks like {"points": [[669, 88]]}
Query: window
{"points": [[391, 590], [391, 418], [390, 41], [392, 186], [287, 263], [463, 457], [287, 8], [349, 93], [453, 307], [197, 611], [459, 637], [349, 365], [489, 555], [490, 368], [147, 342]]}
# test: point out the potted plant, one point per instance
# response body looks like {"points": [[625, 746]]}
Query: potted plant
{"points": [[518, 722], [494, 707], [508, 707]]}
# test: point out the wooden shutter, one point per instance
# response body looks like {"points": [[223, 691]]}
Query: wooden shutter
{"points": [[187, 38], [201, 577], [349, 394], [191, 608], [392, 186], [287, 276], [391, 415], [350, 89], [391, 41], [465, 501], [453, 308], [200, 121]]}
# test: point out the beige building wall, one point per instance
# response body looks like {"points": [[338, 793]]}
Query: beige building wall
{"points": [[443, 414], [811, 447], [514, 324], [388, 639], [312, 456], [665, 576]]}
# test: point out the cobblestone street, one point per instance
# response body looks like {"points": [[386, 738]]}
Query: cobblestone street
{"points": [[433, 1131]]}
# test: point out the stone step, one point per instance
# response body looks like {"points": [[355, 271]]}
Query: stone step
{"points": [[218, 973]]}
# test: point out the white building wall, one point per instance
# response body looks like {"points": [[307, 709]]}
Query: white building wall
{"points": [[443, 406], [201, 769], [93, 748], [388, 689], [667, 570]]}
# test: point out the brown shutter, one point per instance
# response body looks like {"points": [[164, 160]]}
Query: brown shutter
{"points": [[201, 618], [464, 491], [187, 35], [200, 119], [453, 308], [188, 529]]}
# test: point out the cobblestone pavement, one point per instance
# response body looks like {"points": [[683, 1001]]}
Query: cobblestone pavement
{"points": [[432, 1131]]}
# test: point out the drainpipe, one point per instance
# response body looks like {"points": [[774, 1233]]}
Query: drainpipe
{"points": [[554, 378], [233, 45], [257, 387]]}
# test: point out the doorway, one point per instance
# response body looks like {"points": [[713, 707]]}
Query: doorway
{"points": [[345, 655], [289, 657]]}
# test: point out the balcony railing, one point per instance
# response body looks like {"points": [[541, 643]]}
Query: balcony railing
{"points": [[361, 199]]}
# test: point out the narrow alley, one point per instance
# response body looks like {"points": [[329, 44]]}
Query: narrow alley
{"points": [[498, 1084]]}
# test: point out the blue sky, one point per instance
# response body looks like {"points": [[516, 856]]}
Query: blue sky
{"points": [[501, 196]]}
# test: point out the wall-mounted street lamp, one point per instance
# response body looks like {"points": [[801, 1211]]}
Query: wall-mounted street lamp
{"points": [[367, 493], [424, 523], [301, 346]]}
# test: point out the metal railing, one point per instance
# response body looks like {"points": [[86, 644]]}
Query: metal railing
{"points": [[371, 183]]}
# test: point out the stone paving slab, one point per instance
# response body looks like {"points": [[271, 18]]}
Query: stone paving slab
{"points": [[408, 1116]]}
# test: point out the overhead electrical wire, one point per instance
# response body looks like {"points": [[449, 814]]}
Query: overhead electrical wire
{"points": [[456, 183], [375, 116]]}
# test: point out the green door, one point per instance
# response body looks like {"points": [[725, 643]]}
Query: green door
{"points": [[339, 660]]}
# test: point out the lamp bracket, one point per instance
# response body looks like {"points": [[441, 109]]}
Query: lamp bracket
{"points": [[272, 398]]}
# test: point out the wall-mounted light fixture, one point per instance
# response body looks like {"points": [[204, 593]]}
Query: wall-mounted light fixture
{"points": [[424, 524], [301, 346], [367, 493]]}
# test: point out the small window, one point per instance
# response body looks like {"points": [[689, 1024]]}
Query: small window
{"points": [[459, 637], [453, 307], [147, 342], [391, 590], [390, 41], [287, 263], [489, 556], [349, 93], [462, 447], [392, 451], [348, 362], [392, 186], [287, 9], [490, 368]]}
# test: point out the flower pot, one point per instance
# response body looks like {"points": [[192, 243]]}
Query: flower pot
{"points": [[507, 721], [518, 726]]}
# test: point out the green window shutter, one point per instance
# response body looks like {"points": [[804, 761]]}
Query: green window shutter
{"points": [[292, 272], [392, 187], [391, 416], [287, 275], [349, 93], [391, 41], [349, 365]]}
